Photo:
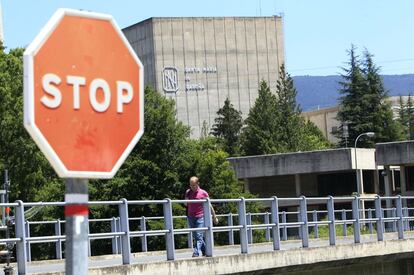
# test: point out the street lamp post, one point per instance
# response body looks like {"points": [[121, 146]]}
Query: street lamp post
{"points": [[359, 180]]}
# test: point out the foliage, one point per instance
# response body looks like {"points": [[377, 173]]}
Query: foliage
{"points": [[406, 116], [275, 124], [260, 135], [362, 105], [227, 127], [31, 176]]}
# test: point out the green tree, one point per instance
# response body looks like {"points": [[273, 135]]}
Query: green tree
{"points": [[402, 114], [378, 112], [410, 117], [32, 178], [295, 133], [351, 106], [363, 103], [227, 127], [275, 123], [290, 133], [260, 135], [152, 170]]}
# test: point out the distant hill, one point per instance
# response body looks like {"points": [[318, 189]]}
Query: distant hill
{"points": [[322, 91]]}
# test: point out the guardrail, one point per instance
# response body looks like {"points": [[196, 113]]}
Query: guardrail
{"points": [[275, 223]]}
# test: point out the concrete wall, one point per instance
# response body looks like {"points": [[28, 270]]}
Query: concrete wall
{"points": [[302, 163], [141, 38], [273, 261], [213, 58], [284, 186], [395, 153], [325, 120]]}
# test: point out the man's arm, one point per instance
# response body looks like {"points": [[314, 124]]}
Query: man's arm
{"points": [[215, 219]]}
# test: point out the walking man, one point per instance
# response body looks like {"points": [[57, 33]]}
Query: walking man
{"points": [[195, 215]]}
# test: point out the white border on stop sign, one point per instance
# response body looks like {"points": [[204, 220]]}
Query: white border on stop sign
{"points": [[29, 118]]}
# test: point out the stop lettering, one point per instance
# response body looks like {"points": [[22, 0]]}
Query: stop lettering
{"points": [[53, 99]]}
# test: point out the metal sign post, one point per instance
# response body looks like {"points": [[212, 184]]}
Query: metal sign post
{"points": [[76, 214]]}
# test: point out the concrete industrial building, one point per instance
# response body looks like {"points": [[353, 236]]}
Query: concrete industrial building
{"points": [[200, 61]]}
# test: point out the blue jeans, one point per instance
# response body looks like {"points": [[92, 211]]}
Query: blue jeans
{"points": [[199, 246]]}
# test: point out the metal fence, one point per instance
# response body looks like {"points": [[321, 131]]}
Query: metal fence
{"points": [[275, 223]]}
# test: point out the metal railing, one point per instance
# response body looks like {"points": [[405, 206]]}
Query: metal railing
{"points": [[274, 222]]}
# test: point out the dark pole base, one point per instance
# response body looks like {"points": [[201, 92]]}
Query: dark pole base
{"points": [[8, 270]]}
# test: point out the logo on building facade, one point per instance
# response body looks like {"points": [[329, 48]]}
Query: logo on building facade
{"points": [[170, 79]]}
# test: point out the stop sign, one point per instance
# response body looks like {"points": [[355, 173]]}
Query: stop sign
{"points": [[83, 94]]}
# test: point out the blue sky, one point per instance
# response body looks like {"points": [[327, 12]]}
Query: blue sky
{"points": [[317, 32]]}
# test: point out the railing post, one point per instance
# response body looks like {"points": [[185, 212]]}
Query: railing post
{"points": [[20, 245], [331, 219], [208, 222], [267, 230], [231, 231], [394, 222], [143, 227], [300, 227], [285, 237], [407, 221], [114, 240], [124, 221], [58, 232], [275, 221], [355, 217], [27, 228], [400, 217], [119, 239], [243, 231], [89, 240], [344, 225], [378, 215], [189, 236], [315, 227], [249, 230], [169, 225], [371, 230], [304, 220]]}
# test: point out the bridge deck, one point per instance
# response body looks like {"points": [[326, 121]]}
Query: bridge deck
{"points": [[149, 260]]}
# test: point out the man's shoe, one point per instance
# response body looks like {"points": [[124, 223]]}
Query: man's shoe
{"points": [[195, 255]]}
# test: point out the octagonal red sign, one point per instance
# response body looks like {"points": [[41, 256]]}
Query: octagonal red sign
{"points": [[83, 94]]}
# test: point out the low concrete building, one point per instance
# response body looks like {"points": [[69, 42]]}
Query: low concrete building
{"points": [[398, 161], [316, 173]]}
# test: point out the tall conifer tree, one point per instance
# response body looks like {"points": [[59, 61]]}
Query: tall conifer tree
{"points": [[227, 127], [260, 135], [363, 104]]}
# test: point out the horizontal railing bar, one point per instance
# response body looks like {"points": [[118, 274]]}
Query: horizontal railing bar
{"points": [[267, 225], [292, 224], [10, 204], [258, 199], [42, 222], [224, 200], [46, 238], [189, 201], [105, 203], [9, 240], [319, 222], [32, 204], [147, 202], [142, 233]]}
